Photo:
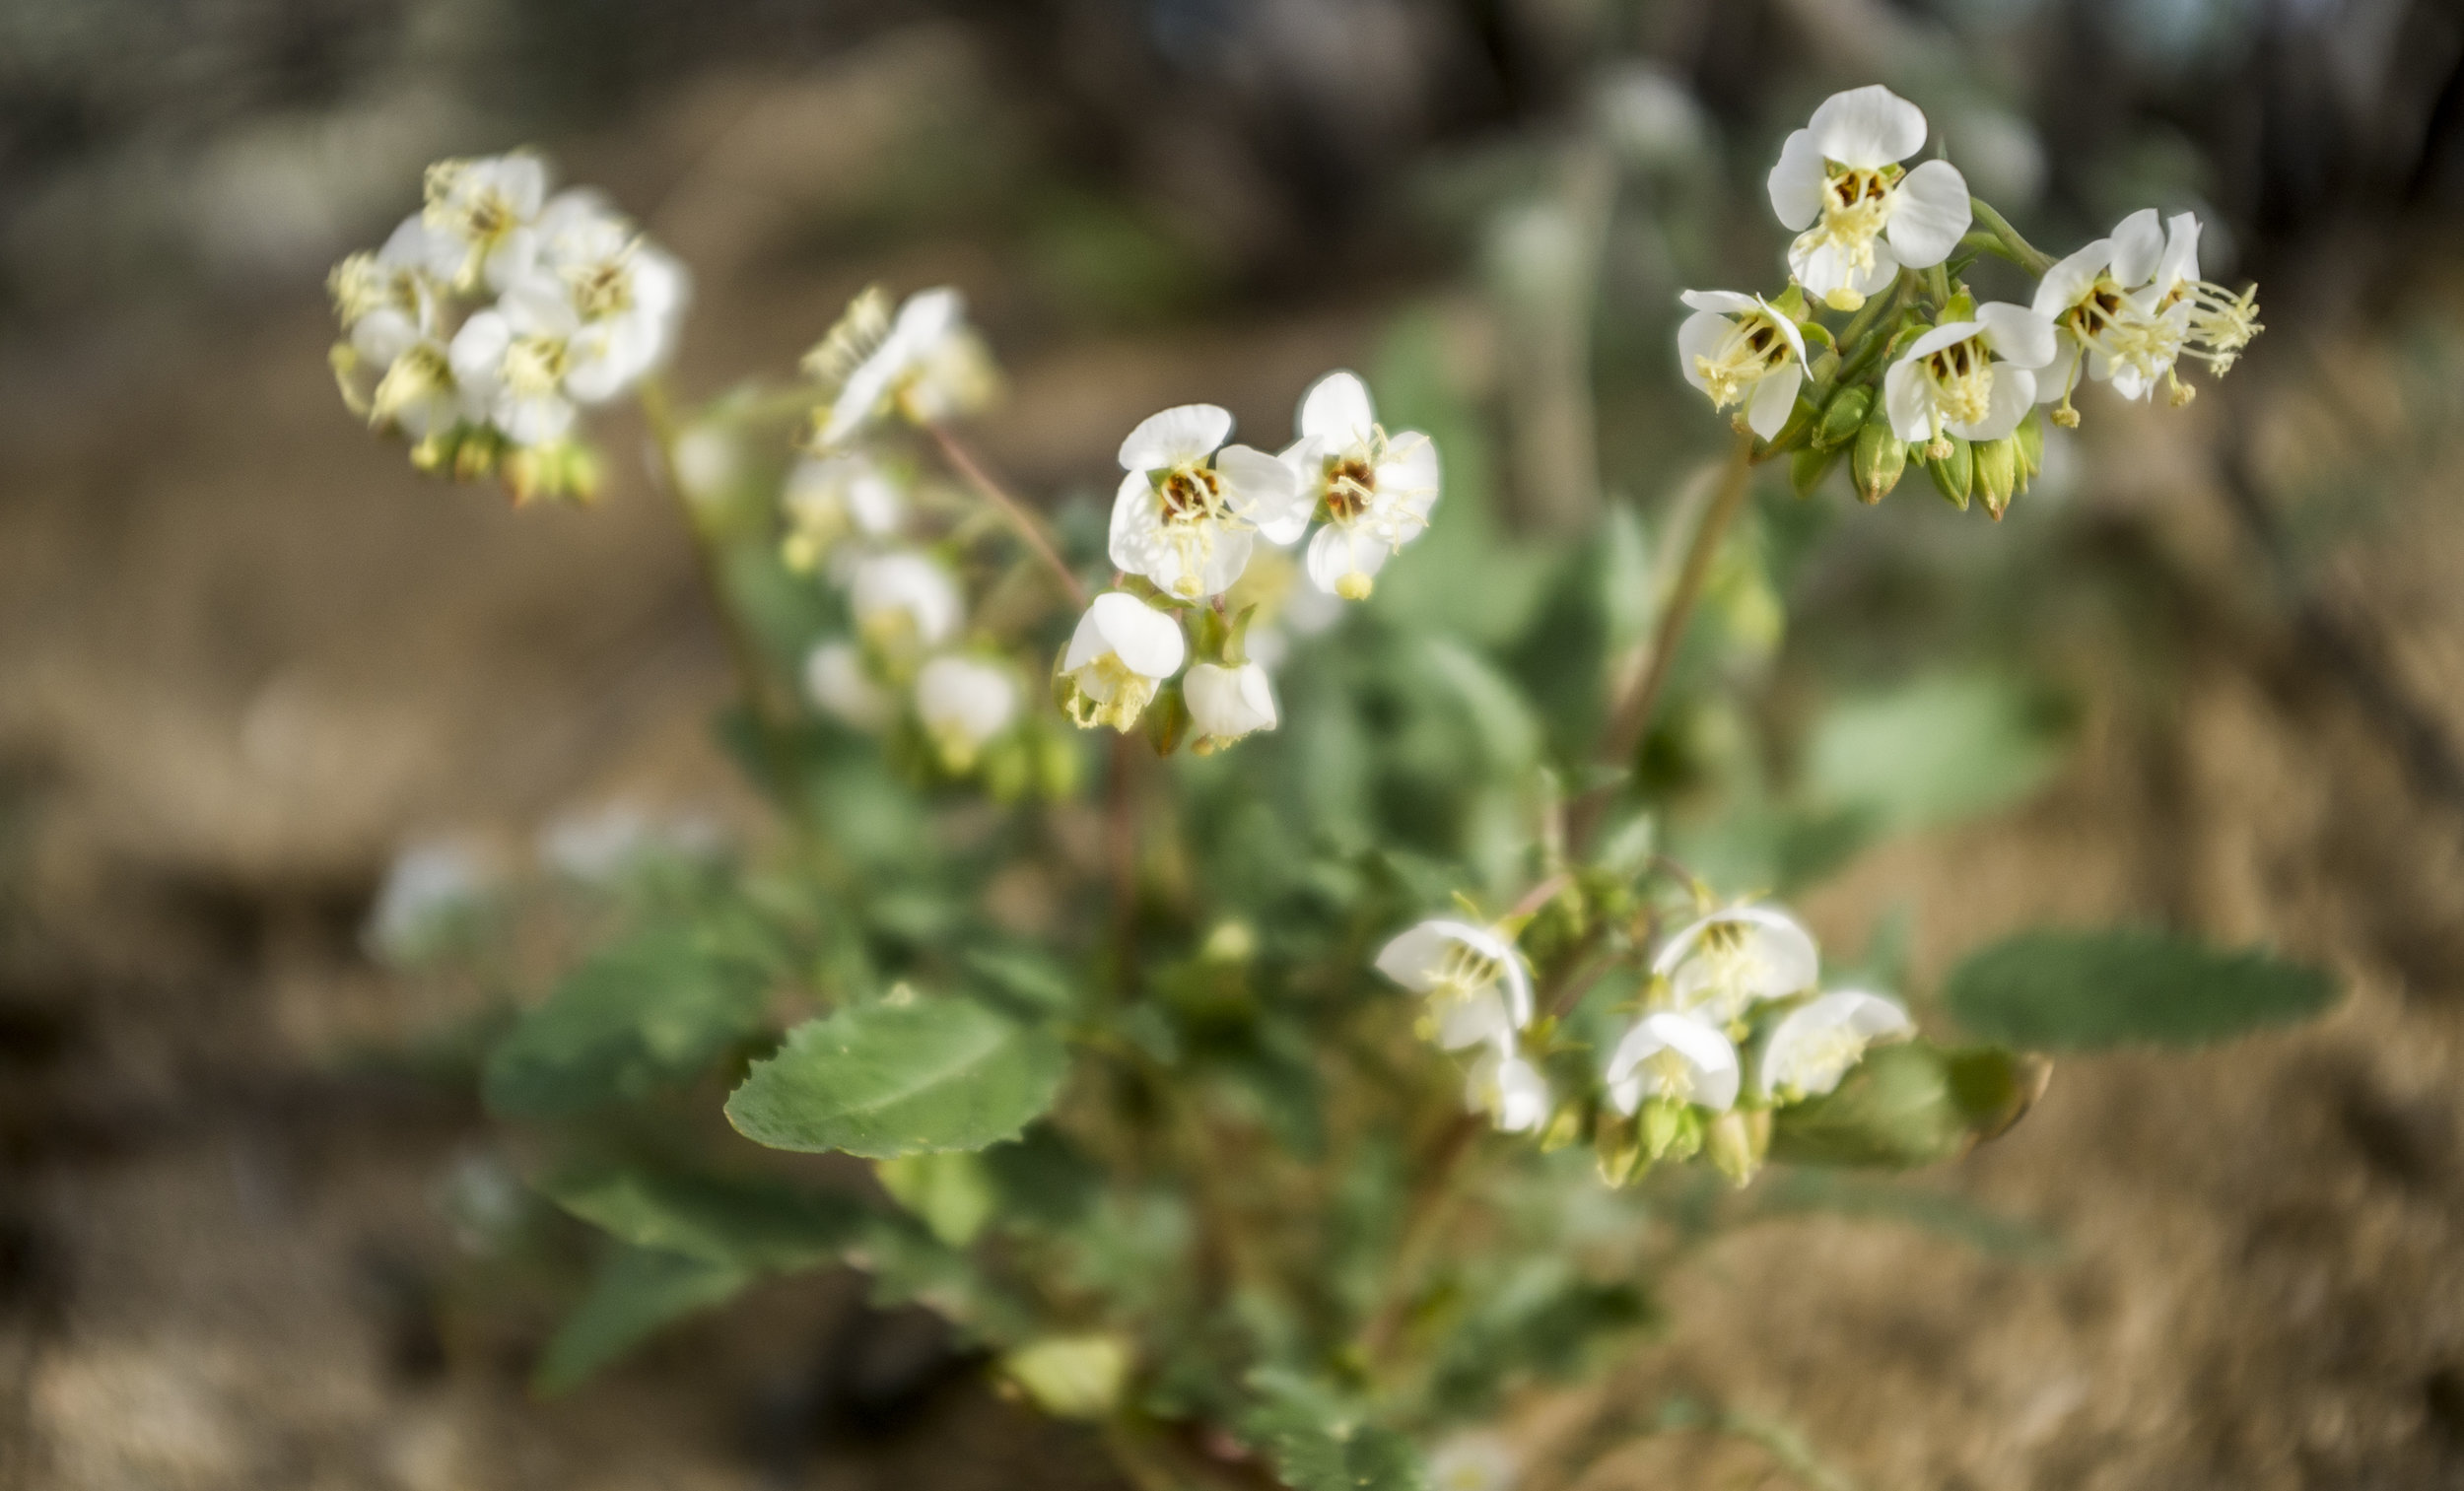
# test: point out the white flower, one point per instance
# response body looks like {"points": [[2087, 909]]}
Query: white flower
{"points": [[964, 702], [1676, 1057], [1186, 523], [827, 496], [1509, 1089], [1123, 649], [481, 215], [1974, 380], [1226, 704], [924, 362], [627, 292], [428, 889], [2130, 305], [1474, 1460], [390, 308], [1842, 170], [1815, 1044], [529, 361], [1374, 490], [1475, 983], [1740, 349], [598, 845], [1724, 963], [837, 680], [905, 600]]}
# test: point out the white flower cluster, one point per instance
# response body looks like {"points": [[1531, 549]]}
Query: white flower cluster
{"points": [[1954, 374], [496, 313], [1734, 990]]}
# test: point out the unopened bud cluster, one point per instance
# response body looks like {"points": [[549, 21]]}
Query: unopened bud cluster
{"points": [[1920, 371], [496, 313]]}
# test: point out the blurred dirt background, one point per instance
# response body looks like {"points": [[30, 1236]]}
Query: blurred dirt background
{"points": [[245, 656]]}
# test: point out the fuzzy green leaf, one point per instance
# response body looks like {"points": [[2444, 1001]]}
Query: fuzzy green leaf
{"points": [[753, 1225], [886, 1080], [637, 1289], [648, 1012], [1935, 751], [2057, 990]]}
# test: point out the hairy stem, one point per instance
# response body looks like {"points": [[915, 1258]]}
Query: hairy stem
{"points": [[963, 461], [1639, 691], [2019, 251]]}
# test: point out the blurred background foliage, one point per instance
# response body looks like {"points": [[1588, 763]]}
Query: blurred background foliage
{"points": [[1488, 205]]}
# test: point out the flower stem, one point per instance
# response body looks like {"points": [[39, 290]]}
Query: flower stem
{"points": [[963, 461], [771, 718], [1639, 691], [2026, 255], [1427, 1223]]}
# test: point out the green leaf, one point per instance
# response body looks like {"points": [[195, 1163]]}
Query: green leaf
{"points": [[652, 1012], [949, 1191], [637, 1289], [1318, 1440], [746, 1224], [886, 1080], [1906, 1105], [2058, 990], [1934, 751]]}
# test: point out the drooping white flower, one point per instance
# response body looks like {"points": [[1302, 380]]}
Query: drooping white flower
{"points": [[1721, 965], [925, 364], [838, 681], [829, 496], [393, 364], [1123, 649], [903, 600], [1508, 1088], [2131, 305], [1672, 1056], [2222, 324], [1474, 1460], [1374, 490], [1740, 349], [1858, 216], [1226, 704], [1814, 1046], [481, 216], [964, 702], [1974, 380], [1186, 521], [1475, 983]]}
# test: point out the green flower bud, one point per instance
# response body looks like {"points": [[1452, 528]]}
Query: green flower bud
{"points": [[1880, 459], [2031, 438], [1843, 417], [1954, 475], [1997, 465], [1807, 466]]}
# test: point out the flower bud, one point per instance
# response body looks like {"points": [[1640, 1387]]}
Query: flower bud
{"points": [[1226, 704], [1880, 457], [1843, 417], [2031, 441], [1997, 464], [1736, 1142], [1954, 475]]}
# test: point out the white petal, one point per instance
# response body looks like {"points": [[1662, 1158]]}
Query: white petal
{"points": [[2014, 394], [1136, 524], [384, 335], [478, 352], [1477, 1019], [2181, 252], [1799, 1056], [1337, 409], [2068, 280], [1932, 212], [1176, 435], [1148, 640], [1942, 336], [1226, 704], [534, 421], [2019, 335], [1701, 335], [1904, 400], [1258, 487], [1868, 127], [1710, 1059], [928, 316], [1773, 399], [2138, 246], [1412, 467], [1795, 182], [1337, 550], [1778, 941], [2054, 379], [1729, 302], [1788, 328]]}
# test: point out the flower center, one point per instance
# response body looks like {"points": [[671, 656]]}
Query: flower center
{"points": [[534, 366], [1190, 495], [601, 289], [1856, 205], [1962, 376], [1110, 693], [1753, 349], [1671, 1075], [1462, 971], [416, 377], [1351, 487]]}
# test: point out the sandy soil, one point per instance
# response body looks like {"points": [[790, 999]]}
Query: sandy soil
{"points": [[244, 654]]}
